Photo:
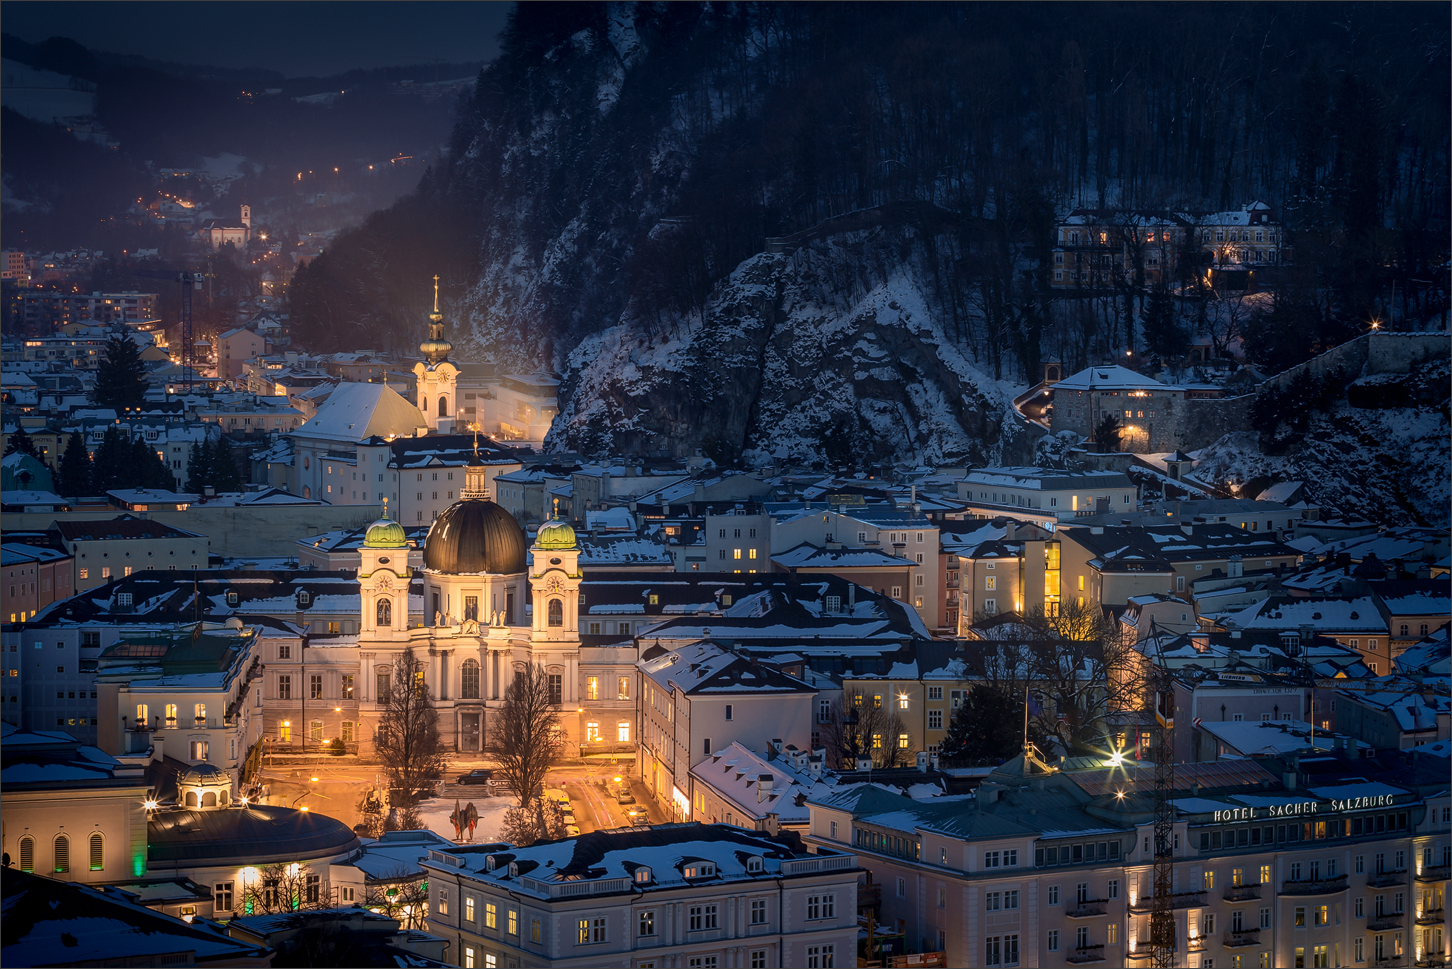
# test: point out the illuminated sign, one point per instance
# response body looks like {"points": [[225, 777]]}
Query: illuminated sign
{"points": [[1305, 807]]}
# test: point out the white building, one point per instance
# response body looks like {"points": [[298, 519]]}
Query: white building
{"points": [[1045, 496], [676, 895]]}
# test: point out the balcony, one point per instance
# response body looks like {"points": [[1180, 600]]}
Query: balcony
{"points": [[1386, 879], [1319, 886], [1195, 943], [1383, 961], [1245, 937], [1179, 900], [1431, 916], [1432, 961], [1242, 893], [1384, 923], [1088, 909], [1438, 874], [1085, 954]]}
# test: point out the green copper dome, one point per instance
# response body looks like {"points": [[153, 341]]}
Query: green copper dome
{"points": [[385, 533], [555, 534]]}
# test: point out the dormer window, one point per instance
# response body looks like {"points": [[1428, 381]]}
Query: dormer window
{"points": [[304, 597], [231, 598], [701, 869], [642, 875], [514, 869], [753, 865]]}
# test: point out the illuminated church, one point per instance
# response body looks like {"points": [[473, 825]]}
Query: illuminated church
{"points": [[491, 603]]}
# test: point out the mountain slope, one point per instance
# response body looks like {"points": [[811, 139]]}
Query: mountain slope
{"points": [[831, 353]]}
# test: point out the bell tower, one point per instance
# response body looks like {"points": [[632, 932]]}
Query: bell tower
{"points": [[554, 579], [383, 579], [437, 378]]}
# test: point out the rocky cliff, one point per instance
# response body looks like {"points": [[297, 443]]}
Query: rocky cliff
{"points": [[831, 352]]}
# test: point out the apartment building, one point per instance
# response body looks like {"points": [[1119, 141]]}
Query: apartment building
{"points": [[689, 895]]}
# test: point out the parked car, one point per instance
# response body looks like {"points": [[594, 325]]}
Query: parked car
{"points": [[623, 795], [476, 776]]}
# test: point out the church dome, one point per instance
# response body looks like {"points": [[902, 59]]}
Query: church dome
{"points": [[385, 533], [555, 534], [203, 774], [475, 535]]}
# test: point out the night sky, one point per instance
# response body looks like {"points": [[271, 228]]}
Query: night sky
{"points": [[295, 38]]}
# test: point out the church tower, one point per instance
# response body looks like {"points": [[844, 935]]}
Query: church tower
{"points": [[555, 583], [437, 377], [383, 578]]}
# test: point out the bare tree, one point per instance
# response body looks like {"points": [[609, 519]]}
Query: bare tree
{"points": [[282, 887], [1080, 672], [400, 896], [408, 740], [526, 733], [863, 725]]}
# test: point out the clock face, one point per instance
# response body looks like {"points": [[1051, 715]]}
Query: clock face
{"points": [[554, 584], [385, 582]]}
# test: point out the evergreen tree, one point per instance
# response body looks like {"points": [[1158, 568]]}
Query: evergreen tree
{"points": [[149, 469], [988, 728], [121, 378], [1108, 432], [1163, 336], [74, 478], [224, 474], [20, 443], [113, 467], [199, 467]]}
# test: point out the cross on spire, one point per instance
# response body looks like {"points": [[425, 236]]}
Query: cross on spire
{"points": [[557, 508], [385, 507], [436, 293]]}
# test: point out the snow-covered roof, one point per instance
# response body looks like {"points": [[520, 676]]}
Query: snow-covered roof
{"points": [[1113, 377], [355, 412], [1047, 479], [808, 556], [1338, 614]]}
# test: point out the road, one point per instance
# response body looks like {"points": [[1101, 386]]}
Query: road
{"points": [[336, 790]]}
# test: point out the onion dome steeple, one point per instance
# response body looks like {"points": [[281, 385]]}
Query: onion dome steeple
{"points": [[385, 533], [436, 348], [555, 534]]}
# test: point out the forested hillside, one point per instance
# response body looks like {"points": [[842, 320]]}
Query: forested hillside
{"points": [[618, 163]]}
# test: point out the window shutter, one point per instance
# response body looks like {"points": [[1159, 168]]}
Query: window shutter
{"points": [[98, 852], [62, 853]]}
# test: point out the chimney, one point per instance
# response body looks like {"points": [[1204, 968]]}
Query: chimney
{"points": [[923, 761], [989, 793], [764, 784], [772, 824], [816, 762], [933, 761], [864, 763], [1187, 528], [1288, 780], [776, 744], [851, 596]]}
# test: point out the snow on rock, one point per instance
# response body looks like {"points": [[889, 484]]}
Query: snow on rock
{"points": [[802, 356], [1388, 466]]}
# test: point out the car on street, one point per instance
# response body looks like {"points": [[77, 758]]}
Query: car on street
{"points": [[623, 795], [477, 776], [637, 815]]}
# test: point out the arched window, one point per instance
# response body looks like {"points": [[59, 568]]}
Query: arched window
{"points": [[385, 612], [469, 680], [142, 709], [27, 855], [62, 854], [209, 799], [191, 799], [424, 404], [98, 852], [307, 491], [443, 407], [556, 612]]}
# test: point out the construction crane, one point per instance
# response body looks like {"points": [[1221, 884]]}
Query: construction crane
{"points": [[190, 282], [1162, 902]]}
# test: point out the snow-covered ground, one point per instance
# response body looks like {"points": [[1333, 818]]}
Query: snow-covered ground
{"points": [[436, 810]]}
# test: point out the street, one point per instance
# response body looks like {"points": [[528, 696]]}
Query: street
{"points": [[336, 789]]}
